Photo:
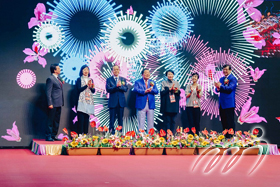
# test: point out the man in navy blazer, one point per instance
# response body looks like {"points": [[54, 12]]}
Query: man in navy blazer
{"points": [[227, 86], [116, 86], [55, 100], [145, 90]]}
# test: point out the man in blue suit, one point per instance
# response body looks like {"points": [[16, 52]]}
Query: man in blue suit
{"points": [[116, 86], [55, 100], [145, 90], [227, 87]]}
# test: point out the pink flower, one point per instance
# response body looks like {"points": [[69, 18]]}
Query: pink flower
{"points": [[40, 16], [278, 118], [14, 134], [256, 74], [277, 40], [35, 54], [250, 116], [253, 36], [130, 11], [250, 5]]}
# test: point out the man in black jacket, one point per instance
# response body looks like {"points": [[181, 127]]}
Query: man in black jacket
{"points": [[54, 94]]}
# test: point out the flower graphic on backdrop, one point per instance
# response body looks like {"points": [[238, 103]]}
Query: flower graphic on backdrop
{"points": [[36, 54], [257, 73], [130, 11], [40, 16], [253, 36], [277, 40], [250, 116], [13, 134], [249, 5]]}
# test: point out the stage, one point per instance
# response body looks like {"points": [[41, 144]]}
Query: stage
{"points": [[21, 167]]}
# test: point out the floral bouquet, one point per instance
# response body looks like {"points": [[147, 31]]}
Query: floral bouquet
{"points": [[81, 141], [150, 140], [182, 139]]}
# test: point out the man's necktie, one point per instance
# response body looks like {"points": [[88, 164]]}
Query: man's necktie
{"points": [[59, 81]]}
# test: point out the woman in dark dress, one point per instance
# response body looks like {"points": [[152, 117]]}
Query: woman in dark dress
{"points": [[170, 96], [85, 107]]}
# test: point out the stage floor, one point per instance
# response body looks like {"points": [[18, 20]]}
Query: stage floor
{"points": [[21, 167]]}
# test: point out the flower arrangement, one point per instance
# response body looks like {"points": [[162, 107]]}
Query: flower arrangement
{"points": [[81, 141], [182, 139], [150, 140]]}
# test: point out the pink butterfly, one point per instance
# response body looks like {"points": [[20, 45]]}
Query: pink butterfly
{"points": [[14, 134], [253, 36], [278, 118], [277, 40], [250, 116], [257, 73], [36, 54], [250, 5], [130, 11], [40, 16], [75, 119]]}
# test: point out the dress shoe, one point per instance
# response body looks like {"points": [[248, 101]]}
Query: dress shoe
{"points": [[49, 139]]}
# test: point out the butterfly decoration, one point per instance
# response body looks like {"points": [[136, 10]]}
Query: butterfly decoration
{"points": [[13, 134]]}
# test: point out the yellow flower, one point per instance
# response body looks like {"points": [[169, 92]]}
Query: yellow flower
{"points": [[157, 141], [184, 142], [138, 143], [73, 144], [190, 140], [105, 141], [201, 139], [127, 138], [217, 141], [239, 144], [84, 141], [118, 144], [204, 143], [94, 137], [174, 143], [190, 136], [253, 136], [221, 137], [195, 135], [162, 139]]}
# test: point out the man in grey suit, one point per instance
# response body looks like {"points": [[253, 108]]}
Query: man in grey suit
{"points": [[55, 99]]}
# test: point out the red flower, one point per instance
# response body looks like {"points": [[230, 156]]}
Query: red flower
{"points": [[255, 131], [65, 131], [162, 132], [213, 132], [151, 132], [169, 132], [205, 132], [231, 131], [119, 128], [100, 129], [64, 139], [73, 134], [178, 130], [186, 130], [105, 128], [141, 130], [225, 131], [128, 133], [193, 130], [133, 133], [246, 133], [93, 124], [238, 133]]}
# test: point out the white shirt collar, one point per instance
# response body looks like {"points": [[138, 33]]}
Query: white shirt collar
{"points": [[55, 75]]}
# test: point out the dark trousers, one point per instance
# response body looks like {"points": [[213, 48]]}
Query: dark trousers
{"points": [[227, 118], [169, 120], [83, 122], [193, 116], [53, 122], [115, 113]]}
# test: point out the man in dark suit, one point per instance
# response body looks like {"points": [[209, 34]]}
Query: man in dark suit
{"points": [[227, 86], [116, 86], [145, 90], [55, 100]]}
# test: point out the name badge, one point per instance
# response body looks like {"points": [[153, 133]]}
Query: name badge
{"points": [[172, 98]]}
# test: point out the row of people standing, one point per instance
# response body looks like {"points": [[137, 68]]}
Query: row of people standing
{"points": [[145, 90]]}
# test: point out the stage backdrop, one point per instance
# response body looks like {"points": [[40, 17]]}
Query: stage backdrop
{"points": [[185, 36]]}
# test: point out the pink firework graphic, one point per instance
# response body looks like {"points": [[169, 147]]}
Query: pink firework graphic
{"points": [[26, 78], [209, 68]]}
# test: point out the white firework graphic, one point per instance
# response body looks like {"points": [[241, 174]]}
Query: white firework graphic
{"points": [[26, 78], [49, 35], [227, 11], [127, 37], [209, 68]]}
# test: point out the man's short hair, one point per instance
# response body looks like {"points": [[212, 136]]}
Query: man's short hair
{"points": [[196, 75], [144, 71], [169, 71], [53, 67], [227, 65], [114, 66]]}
